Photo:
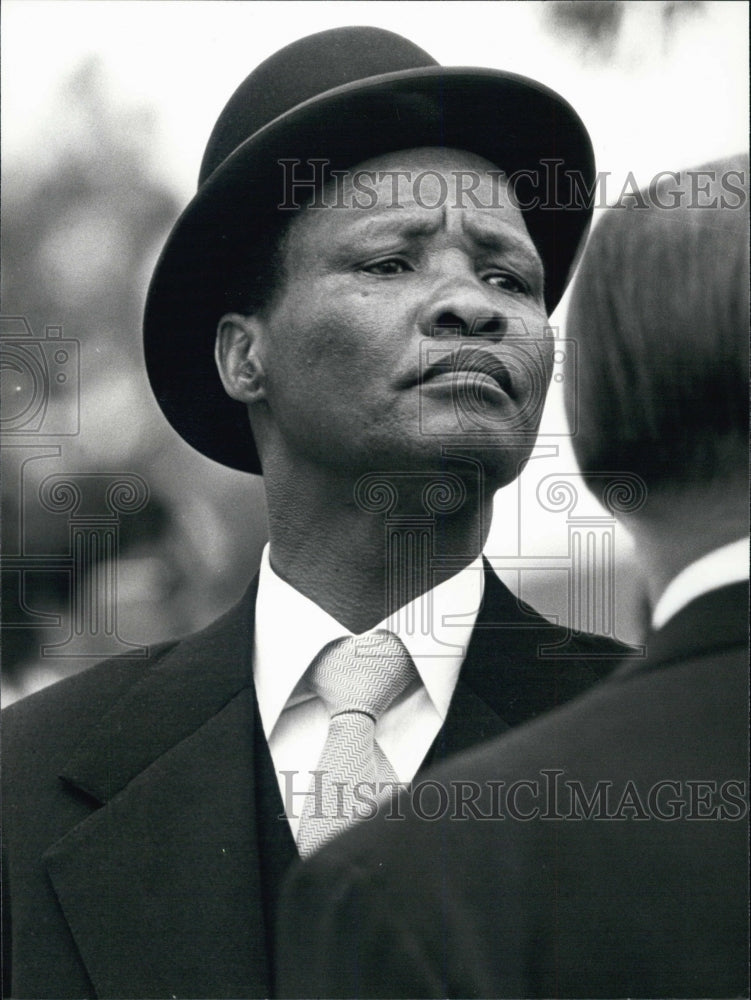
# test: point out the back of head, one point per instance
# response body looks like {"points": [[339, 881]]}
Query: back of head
{"points": [[660, 314]]}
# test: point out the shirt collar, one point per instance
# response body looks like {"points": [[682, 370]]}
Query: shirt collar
{"points": [[723, 566], [436, 628], [291, 630]]}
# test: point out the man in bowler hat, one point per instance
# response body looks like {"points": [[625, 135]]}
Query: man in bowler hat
{"points": [[354, 305]]}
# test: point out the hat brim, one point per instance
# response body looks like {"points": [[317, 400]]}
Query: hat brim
{"points": [[514, 122]]}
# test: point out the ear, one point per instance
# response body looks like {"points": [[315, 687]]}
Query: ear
{"points": [[238, 358]]}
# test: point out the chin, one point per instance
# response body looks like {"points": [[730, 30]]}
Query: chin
{"points": [[482, 470]]}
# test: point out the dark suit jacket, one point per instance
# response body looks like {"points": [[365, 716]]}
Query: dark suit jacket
{"points": [[639, 900], [142, 831]]}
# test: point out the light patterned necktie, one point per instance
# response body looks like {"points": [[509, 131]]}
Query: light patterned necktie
{"points": [[357, 678]]}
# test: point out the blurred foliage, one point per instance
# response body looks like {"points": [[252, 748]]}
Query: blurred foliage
{"points": [[83, 220], [597, 26], [76, 233], [594, 23]]}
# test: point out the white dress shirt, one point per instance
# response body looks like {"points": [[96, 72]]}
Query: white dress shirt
{"points": [[723, 566], [291, 630]]}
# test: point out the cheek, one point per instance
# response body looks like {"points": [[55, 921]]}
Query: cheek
{"points": [[348, 336], [532, 356], [321, 351], [544, 359], [547, 351]]}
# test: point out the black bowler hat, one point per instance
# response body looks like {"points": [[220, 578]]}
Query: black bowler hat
{"points": [[344, 96]]}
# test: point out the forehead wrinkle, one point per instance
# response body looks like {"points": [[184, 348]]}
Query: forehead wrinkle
{"points": [[396, 219], [487, 228]]}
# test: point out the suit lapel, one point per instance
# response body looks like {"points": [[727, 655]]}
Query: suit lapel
{"points": [[128, 877], [504, 679], [177, 815]]}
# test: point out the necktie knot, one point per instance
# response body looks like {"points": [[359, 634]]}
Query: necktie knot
{"points": [[363, 673]]}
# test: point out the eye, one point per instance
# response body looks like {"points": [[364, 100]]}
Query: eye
{"points": [[386, 268], [507, 282]]}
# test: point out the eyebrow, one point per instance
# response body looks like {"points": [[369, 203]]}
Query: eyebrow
{"points": [[398, 223], [489, 237]]}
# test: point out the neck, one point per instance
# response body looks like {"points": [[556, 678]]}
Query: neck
{"points": [[360, 554], [671, 535]]}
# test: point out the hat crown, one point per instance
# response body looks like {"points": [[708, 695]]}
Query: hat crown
{"points": [[302, 70]]}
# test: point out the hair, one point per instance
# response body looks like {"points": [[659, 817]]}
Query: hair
{"points": [[255, 269], [659, 311], [255, 273]]}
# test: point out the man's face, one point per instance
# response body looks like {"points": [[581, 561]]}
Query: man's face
{"points": [[410, 324]]}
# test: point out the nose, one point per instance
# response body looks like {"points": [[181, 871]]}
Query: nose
{"points": [[451, 324], [464, 311]]}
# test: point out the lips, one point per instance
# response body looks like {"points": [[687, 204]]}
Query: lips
{"points": [[467, 366]]}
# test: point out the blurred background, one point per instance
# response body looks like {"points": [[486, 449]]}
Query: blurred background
{"points": [[115, 533]]}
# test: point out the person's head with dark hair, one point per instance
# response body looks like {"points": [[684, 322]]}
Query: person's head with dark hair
{"points": [[659, 311]]}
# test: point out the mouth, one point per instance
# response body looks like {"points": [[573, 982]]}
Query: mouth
{"points": [[473, 370]]}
